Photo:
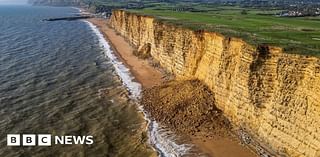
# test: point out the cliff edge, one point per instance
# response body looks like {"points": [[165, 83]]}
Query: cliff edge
{"points": [[272, 95]]}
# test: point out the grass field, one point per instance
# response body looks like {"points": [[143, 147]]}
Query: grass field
{"points": [[295, 34]]}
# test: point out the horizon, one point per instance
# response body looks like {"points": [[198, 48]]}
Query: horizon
{"points": [[8, 2]]}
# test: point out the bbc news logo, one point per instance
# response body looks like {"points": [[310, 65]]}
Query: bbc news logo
{"points": [[46, 140]]}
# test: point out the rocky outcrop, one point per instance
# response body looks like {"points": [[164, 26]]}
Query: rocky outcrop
{"points": [[187, 107], [55, 2], [273, 95]]}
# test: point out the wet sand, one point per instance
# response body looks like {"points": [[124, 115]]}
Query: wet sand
{"points": [[144, 73], [150, 76], [222, 147]]}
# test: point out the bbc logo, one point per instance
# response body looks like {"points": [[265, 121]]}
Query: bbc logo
{"points": [[28, 140]]}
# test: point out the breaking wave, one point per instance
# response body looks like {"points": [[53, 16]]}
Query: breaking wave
{"points": [[162, 140]]}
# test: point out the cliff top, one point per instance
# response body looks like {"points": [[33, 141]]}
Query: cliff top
{"points": [[294, 34]]}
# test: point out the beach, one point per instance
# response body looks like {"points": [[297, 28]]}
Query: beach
{"points": [[144, 73], [152, 80]]}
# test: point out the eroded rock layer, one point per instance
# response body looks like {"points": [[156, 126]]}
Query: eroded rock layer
{"points": [[271, 94]]}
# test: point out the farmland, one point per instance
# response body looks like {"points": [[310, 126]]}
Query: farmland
{"points": [[256, 26]]}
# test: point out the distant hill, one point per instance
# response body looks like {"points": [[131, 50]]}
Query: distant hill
{"points": [[55, 2]]}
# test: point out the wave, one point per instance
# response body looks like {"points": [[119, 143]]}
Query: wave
{"points": [[122, 71], [162, 140]]}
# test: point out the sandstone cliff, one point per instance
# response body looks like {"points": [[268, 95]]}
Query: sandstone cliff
{"points": [[271, 94]]}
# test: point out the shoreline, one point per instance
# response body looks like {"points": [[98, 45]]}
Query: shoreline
{"points": [[140, 68], [159, 141], [149, 76]]}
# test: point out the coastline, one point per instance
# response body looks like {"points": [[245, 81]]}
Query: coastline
{"points": [[143, 72], [162, 141], [148, 76]]}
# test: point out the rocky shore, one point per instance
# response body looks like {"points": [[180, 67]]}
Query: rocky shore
{"points": [[187, 108]]}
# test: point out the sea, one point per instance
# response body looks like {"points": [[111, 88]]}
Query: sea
{"points": [[62, 78]]}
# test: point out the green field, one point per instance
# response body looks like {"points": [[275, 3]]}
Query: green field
{"points": [[295, 34]]}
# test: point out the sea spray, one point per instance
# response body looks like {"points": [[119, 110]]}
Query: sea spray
{"points": [[160, 138]]}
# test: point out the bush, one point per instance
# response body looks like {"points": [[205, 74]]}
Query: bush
{"points": [[244, 12]]}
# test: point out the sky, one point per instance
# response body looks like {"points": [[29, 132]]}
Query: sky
{"points": [[13, 1]]}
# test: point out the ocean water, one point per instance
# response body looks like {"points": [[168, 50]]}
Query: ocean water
{"points": [[59, 78], [62, 78]]}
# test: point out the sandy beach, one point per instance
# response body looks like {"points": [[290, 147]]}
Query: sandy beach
{"points": [[150, 76], [143, 72]]}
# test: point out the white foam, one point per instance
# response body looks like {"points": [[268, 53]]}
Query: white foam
{"points": [[164, 141], [160, 138], [122, 71], [76, 8]]}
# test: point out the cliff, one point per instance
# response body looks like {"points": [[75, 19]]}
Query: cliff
{"points": [[55, 2], [272, 95]]}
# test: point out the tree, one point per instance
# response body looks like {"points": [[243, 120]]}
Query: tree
{"points": [[244, 12]]}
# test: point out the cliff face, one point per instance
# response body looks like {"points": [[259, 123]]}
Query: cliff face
{"points": [[55, 2], [271, 94]]}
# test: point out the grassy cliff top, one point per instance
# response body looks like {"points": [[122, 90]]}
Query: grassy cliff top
{"points": [[295, 34]]}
